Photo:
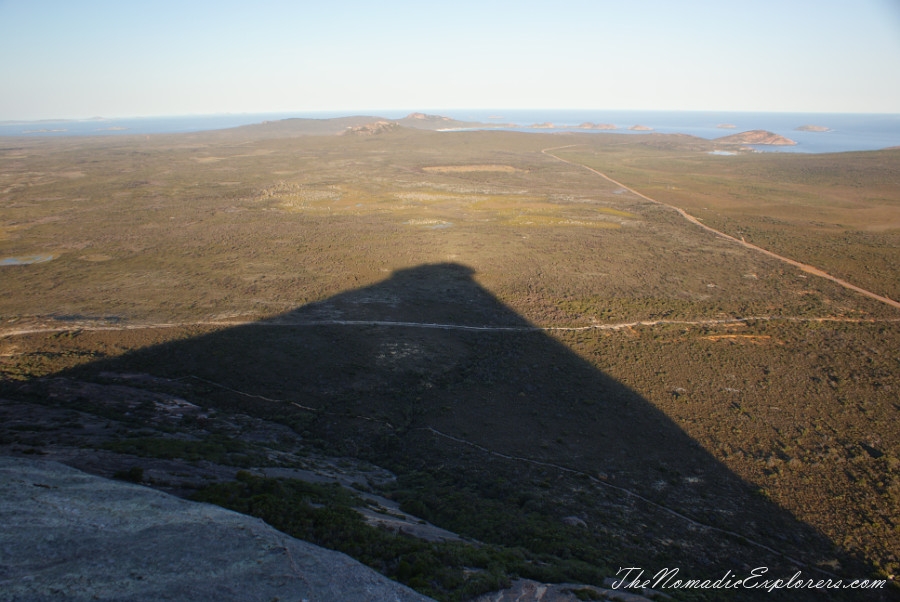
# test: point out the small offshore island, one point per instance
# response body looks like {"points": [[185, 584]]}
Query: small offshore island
{"points": [[587, 125], [813, 128], [756, 137]]}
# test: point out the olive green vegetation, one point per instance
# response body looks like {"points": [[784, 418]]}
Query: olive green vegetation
{"points": [[755, 399], [194, 227], [215, 448], [447, 570], [837, 212]]}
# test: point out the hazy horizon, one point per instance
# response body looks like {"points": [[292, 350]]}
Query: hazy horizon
{"points": [[120, 60], [443, 112]]}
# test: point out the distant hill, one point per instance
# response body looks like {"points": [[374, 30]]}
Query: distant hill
{"points": [[356, 124], [417, 121], [756, 137], [372, 129], [302, 127], [421, 121]]}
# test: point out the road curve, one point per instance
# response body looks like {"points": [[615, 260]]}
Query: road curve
{"points": [[802, 266]]}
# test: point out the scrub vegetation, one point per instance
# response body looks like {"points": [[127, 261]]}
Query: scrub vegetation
{"points": [[569, 376]]}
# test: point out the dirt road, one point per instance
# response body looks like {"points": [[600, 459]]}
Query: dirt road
{"points": [[802, 266]]}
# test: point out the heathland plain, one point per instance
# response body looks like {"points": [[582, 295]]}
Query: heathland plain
{"points": [[556, 365]]}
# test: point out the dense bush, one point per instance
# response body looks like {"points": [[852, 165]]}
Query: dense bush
{"points": [[447, 570]]}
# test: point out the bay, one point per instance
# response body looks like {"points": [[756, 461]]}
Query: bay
{"points": [[843, 131]]}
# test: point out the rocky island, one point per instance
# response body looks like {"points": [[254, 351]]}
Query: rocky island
{"points": [[756, 137], [813, 128], [587, 125]]}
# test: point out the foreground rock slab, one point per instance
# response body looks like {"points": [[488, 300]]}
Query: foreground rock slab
{"points": [[68, 535], [526, 590]]}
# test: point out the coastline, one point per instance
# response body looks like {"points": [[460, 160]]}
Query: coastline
{"points": [[838, 132]]}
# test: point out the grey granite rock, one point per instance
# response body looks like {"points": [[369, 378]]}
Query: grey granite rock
{"points": [[526, 590], [68, 535]]}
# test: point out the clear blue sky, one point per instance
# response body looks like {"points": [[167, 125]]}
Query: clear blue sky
{"points": [[119, 58]]}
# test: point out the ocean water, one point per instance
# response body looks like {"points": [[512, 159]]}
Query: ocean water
{"points": [[99, 126], [846, 131]]}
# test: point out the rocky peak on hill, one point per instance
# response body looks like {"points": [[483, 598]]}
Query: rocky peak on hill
{"points": [[756, 137], [372, 129]]}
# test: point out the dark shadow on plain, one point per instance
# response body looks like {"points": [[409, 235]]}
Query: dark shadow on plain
{"points": [[491, 400]]}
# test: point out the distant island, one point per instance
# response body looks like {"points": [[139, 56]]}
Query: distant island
{"points": [[813, 128], [641, 128], [587, 125], [726, 126], [756, 137]]}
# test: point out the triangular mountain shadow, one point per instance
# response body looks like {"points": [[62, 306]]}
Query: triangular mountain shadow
{"points": [[469, 388]]}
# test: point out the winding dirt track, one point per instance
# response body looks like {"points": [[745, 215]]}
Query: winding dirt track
{"points": [[804, 267]]}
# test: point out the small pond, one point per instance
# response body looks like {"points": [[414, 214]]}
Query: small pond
{"points": [[25, 259]]}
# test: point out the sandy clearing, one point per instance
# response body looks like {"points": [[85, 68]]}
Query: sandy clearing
{"points": [[471, 168]]}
